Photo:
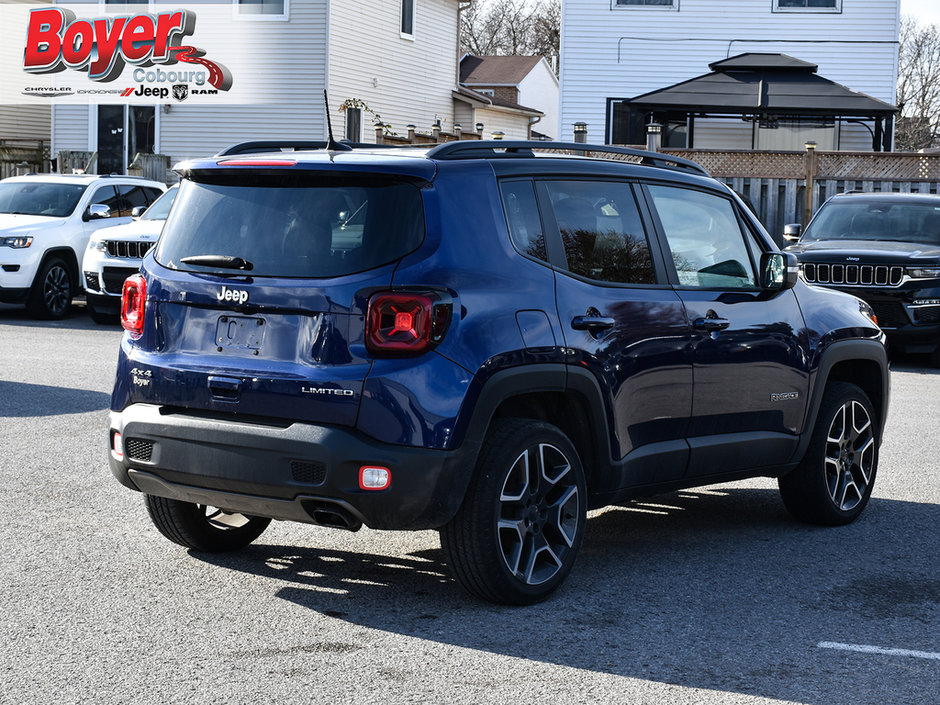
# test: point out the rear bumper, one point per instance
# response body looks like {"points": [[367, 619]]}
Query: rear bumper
{"points": [[295, 471]]}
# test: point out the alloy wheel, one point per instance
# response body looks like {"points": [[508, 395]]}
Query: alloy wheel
{"points": [[850, 455], [538, 514], [56, 290]]}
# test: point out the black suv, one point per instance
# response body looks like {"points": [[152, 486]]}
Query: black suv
{"points": [[885, 249], [488, 339]]}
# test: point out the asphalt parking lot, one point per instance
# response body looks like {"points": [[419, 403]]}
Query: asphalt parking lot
{"points": [[705, 596]]}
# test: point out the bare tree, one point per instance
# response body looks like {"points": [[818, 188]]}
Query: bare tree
{"points": [[511, 27], [918, 97]]}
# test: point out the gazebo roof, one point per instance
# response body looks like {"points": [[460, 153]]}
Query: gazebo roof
{"points": [[754, 83]]}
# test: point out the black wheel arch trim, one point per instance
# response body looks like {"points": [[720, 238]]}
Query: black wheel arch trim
{"points": [[532, 379], [832, 355]]}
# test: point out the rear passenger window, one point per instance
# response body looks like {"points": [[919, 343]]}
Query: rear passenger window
{"points": [[602, 231], [522, 216]]}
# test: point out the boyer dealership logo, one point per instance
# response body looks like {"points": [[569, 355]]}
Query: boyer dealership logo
{"points": [[102, 47]]}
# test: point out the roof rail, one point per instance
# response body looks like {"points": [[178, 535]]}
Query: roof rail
{"points": [[257, 146], [501, 149]]}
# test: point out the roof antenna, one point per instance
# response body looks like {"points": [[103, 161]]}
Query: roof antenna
{"points": [[331, 144]]}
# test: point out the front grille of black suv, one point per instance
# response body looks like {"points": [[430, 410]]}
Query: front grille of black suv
{"points": [[138, 449], [927, 314], [853, 274], [890, 314], [122, 248]]}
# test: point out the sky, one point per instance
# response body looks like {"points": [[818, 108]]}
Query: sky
{"points": [[926, 11]]}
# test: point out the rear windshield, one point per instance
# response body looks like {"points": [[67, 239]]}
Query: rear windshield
{"points": [[313, 229], [877, 220]]}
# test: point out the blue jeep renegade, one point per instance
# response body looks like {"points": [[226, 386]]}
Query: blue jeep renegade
{"points": [[484, 338]]}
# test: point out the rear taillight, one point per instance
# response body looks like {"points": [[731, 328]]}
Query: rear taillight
{"points": [[133, 299], [400, 323]]}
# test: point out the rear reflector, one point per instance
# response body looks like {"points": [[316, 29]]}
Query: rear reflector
{"points": [[374, 477], [133, 301], [117, 445]]}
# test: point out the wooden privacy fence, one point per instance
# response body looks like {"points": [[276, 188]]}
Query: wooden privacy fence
{"points": [[775, 183], [27, 155]]}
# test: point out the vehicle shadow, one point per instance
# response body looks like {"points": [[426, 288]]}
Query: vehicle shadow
{"points": [[714, 589], [76, 319], [24, 400]]}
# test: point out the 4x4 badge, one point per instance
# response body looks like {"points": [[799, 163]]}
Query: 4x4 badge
{"points": [[239, 295]]}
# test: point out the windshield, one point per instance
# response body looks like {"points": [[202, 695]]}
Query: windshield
{"points": [[160, 208], [877, 220], [38, 198], [325, 229]]}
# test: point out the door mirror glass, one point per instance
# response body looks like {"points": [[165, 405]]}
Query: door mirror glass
{"points": [[779, 271]]}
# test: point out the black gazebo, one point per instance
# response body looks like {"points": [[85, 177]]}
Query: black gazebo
{"points": [[765, 90]]}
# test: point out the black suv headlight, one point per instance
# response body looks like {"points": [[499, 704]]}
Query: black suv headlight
{"points": [[923, 272]]}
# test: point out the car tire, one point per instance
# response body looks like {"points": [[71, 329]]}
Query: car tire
{"points": [[203, 528], [517, 534], [833, 483], [51, 294]]}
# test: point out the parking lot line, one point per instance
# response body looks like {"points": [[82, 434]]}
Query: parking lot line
{"points": [[880, 650]]}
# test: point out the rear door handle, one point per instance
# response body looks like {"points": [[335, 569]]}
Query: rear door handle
{"points": [[592, 323], [711, 324]]}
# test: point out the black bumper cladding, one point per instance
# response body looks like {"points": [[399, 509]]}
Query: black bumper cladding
{"points": [[292, 471]]}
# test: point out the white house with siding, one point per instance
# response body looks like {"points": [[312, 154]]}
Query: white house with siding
{"points": [[394, 60], [517, 95], [620, 49]]}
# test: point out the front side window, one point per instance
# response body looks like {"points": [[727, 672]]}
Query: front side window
{"points": [[408, 18], [705, 237], [807, 5], [108, 196], [311, 228], [601, 231]]}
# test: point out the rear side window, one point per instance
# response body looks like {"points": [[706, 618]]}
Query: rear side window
{"points": [[522, 215], [324, 228], [602, 231]]}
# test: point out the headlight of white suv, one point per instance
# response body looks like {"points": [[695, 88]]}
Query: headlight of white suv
{"points": [[17, 241], [99, 245]]}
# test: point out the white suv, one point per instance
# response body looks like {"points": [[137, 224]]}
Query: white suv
{"points": [[115, 253], [45, 223]]}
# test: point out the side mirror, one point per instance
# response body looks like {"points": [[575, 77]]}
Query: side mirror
{"points": [[792, 232], [96, 211], [779, 271], [138, 211]]}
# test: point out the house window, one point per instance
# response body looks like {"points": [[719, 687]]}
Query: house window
{"points": [[667, 3], [354, 124], [486, 91], [407, 18], [807, 5], [262, 9]]}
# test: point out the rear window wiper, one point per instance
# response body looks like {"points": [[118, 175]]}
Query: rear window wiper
{"points": [[221, 261]]}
